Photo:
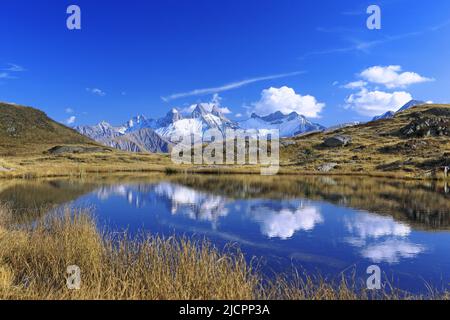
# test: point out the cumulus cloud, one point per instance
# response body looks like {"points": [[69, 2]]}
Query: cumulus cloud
{"points": [[373, 103], [71, 120], [238, 115], [392, 77], [286, 100], [96, 91], [69, 110]]}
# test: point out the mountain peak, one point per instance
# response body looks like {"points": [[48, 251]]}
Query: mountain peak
{"points": [[411, 104], [172, 116], [199, 111], [216, 111], [278, 115]]}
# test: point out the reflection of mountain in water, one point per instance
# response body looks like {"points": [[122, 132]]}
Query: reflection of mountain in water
{"points": [[195, 204], [283, 219], [177, 198], [381, 239]]}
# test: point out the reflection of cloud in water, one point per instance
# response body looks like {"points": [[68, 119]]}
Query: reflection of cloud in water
{"points": [[392, 251], [134, 194], [366, 225], [283, 222], [196, 205], [106, 192], [380, 238]]}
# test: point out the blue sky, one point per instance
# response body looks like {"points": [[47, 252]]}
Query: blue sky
{"points": [[145, 57]]}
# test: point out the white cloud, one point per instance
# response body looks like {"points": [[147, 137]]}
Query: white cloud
{"points": [[96, 91], [71, 120], [392, 77], [355, 85], [286, 100], [373, 103], [4, 75], [69, 110], [238, 115], [229, 86]]}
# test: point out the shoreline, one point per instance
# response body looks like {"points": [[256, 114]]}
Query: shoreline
{"points": [[81, 171]]}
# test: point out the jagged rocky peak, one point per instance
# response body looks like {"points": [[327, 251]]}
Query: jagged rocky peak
{"points": [[171, 117], [278, 115], [216, 111], [200, 111], [139, 119]]}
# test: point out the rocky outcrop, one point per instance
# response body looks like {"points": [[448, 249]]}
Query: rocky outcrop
{"points": [[427, 126], [337, 141]]}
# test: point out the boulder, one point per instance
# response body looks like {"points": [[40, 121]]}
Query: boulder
{"points": [[337, 141], [327, 167]]}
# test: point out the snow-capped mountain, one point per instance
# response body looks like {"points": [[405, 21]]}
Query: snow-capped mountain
{"points": [[386, 115], [411, 104], [139, 122], [391, 114], [200, 120], [101, 131], [288, 125], [141, 134]]}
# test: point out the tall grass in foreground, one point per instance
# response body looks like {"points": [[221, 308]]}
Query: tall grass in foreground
{"points": [[34, 258]]}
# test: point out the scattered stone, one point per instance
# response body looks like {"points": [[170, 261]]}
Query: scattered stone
{"points": [[286, 143], [412, 146], [337, 141], [327, 167]]}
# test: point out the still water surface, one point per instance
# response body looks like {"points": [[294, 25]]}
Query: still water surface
{"points": [[315, 224]]}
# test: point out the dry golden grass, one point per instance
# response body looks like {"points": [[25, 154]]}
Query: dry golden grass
{"points": [[376, 150], [33, 261]]}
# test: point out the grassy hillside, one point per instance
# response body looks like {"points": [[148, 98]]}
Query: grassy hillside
{"points": [[414, 143], [25, 130]]}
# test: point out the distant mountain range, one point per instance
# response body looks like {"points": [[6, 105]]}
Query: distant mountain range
{"points": [[142, 134], [391, 114], [156, 135]]}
